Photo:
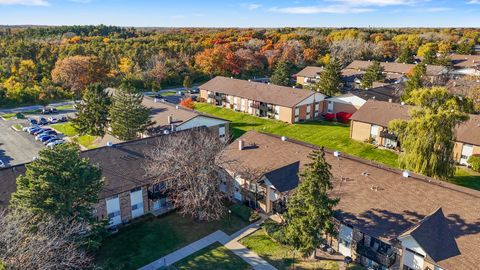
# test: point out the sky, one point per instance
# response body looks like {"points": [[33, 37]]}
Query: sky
{"points": [[228, 13]]}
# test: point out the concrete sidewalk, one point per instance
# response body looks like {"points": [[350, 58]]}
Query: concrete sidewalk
{"points": [[230, 242]]}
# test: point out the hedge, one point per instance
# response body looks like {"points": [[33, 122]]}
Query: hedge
{"points": [[474, 162]]}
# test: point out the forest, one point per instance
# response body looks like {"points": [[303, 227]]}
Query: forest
{"points": [[44, 64]]}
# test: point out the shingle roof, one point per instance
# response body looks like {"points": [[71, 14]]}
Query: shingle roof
{"points": [[465, 61], [285, 178], [435, 237], [399, 68], [381, 113], [385, 212], [270, 93], [310, 72], [382, 93]]}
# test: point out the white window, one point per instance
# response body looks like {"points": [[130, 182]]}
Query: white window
{"points": [[297, 119], [242, 103], [345, 237], [136, 202], [374, 130], [309, 107], [467, 151], [297, 111], [330, 107], [113, 211], [307, 116], [413, 260]]}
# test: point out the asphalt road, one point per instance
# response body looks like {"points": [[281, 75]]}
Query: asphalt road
{"points": [[16, 147]]}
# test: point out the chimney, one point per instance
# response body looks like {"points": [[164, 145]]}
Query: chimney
{"points": [[170, 119], [173, 127], [390, 100], [240, 145]]}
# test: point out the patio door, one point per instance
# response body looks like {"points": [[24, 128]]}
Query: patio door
{"points": [[467, 151], [113, 211], [330, 107]]}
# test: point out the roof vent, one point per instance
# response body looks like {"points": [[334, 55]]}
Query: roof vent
{"points": [[374, 188], [284, 138], [166, 132], [365, 174], [177, 107], [403, 103], [240, 145], [249, 80], [406, 174], [390, 100], [109, 144]]}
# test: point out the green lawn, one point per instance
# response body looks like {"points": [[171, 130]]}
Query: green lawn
{"points": [[9, 116], [64, 107], [214, 257], [282, 257], [66, 128], [147, 240], [331, 135], [86, 141], [18, 127]]}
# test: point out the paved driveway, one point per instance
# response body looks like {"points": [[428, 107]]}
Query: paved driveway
{"points": [[16, 147]]}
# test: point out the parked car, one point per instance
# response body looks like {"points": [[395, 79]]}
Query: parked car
{"points": [[33, 122], [27, 129], [52, 120], [62, 118], [43, 121], [2, 164], [195, 90], [45, 133], [41, 130], [33, 129], [52, 139], [55, 143], [46, 138], [49, 110]]}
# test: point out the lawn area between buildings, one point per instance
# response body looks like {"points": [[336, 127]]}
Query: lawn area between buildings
{"points": [[149, 239], [213, 257], [68, 130], [281, 256], [331, 135]]}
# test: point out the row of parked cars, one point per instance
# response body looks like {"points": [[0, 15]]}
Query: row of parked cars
{"points": [[47, 136], [45, 121]]}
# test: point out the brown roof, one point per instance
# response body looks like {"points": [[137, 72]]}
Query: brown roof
{"points": [[381, 113], [270, 93], [382, 93], [384, 212], [465, 61], [399, 68], [310, 72], [161, 110]]}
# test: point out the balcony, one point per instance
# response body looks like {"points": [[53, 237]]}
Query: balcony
{"points": [[260, 106], [388, 135], [156, 195], [385, 258]]}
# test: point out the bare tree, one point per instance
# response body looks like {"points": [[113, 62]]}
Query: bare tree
{"points": [[190, 163], [48, 245]]}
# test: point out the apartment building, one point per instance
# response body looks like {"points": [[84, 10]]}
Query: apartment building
{"points": [[370, 124], [386, 218], [263, 100], [465, 65]]}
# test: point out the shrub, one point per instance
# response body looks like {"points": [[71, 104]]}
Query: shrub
{"points": [[275, 231], [474, 162], [244, 212]]}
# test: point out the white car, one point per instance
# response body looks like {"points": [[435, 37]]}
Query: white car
{"points": [[2, 164], [55, 143], [52, 120]]}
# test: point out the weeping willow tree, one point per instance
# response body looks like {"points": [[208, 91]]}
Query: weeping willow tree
{"points": [[427, 138]]}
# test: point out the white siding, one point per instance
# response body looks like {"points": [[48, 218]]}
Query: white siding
{"points": [[200, 121]]}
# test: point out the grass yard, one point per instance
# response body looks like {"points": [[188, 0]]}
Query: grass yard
{"points": [[64, 107], [86, 141], [334, 136], [214, 257], [17, 127], [10, 116], [281, 256], [147, 240], [66, 128]]}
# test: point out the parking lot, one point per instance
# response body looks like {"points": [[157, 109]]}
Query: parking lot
{"points": [[18, 147]]}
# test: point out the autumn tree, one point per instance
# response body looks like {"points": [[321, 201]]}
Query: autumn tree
{"points": [[187, 82], [374, 73], [414, 81], [76, 72], [281, 74], [92, 112], [190, 164], [407, 56], [310, 208], [219, 60], [128, 116], [429, 53], [330, 79], [434, 119]]}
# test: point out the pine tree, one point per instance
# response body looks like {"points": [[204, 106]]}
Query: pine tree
{"points": [[330, 79], [310, 209], [414, 81], [128, 116], [281, 75], [374, 73], [406, 56], [427, 138], [59, 184], [92, 112]]}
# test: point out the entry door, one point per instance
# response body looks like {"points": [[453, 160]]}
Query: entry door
{"points": [[345, 241], [113, 211], [136, 201], [467, 151]]}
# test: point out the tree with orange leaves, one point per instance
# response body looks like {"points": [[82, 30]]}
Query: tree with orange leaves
{"points": [[187, 103]]}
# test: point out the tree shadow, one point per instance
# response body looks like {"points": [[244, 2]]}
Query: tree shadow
{"points": [[4, 157]]}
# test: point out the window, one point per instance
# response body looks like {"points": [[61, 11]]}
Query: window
{"points": [[137, 206], [309, 107], [297, 111], [135, 189], [114, 214]]}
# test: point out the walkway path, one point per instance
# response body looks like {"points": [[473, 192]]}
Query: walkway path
{"points": [[230, 242]]}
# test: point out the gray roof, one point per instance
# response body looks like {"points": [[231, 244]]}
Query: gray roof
{"points": [[269, 93], [285, 178], [310, 72]]}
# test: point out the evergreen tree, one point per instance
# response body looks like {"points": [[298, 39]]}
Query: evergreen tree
{"points": [[281, 74], [374, 73], [427, 138], [406, 56], [310, 209], [128, 116], [187, 82], [330, 79], [60, 184], [414, 81], [92, 112]]}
